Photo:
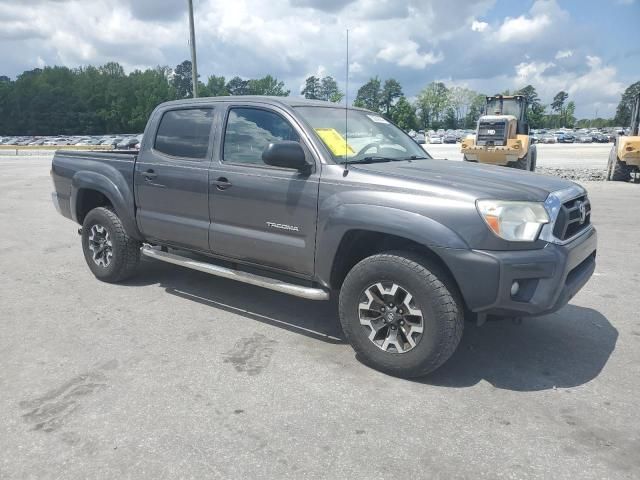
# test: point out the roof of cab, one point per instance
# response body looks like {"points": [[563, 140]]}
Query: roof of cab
{"points": [[282, 101]]}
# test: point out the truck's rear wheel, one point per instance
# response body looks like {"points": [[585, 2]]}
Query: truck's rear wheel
{"points": [[110, 253], [618, 171], [400, 314]]}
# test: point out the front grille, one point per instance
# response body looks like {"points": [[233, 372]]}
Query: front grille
{"points": [[492, 133], [572, 219]]}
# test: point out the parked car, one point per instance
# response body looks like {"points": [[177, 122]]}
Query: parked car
{"points": [[411, 244], [420, 138], [548, 138], [435, 139], [449, 138], [127, 143], [585, 138], [565, 137]]}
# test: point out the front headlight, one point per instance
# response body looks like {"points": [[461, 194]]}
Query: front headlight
{"points": [[514, 221]]}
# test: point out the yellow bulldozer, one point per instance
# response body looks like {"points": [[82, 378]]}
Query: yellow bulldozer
{"points": [[624, 159], [502, 137]]}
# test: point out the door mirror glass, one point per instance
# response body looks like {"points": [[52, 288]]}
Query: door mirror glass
{"points": [[285, 154]]}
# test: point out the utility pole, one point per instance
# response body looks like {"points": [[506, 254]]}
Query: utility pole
{"points": [[194, 66]]}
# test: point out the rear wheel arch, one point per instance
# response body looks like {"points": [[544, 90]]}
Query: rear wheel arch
{"points": [[87, 199], [91, 190]]}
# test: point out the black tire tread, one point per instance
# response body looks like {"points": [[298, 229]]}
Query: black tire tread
{"points": [[128, 248], [448, 302], [620, 171]]}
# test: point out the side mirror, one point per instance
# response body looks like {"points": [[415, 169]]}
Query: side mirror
{"points": [[285, 154]]}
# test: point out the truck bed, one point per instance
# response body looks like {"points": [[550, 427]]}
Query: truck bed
{"points": [[108, 170]]}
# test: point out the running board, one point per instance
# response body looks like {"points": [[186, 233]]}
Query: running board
{"points": [[244, 277]]}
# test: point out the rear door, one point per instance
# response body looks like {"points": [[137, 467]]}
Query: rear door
{"points": [[172, 177], [262, 214]]}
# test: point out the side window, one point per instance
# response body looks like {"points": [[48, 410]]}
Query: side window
{"points": [[250, 130], [185, 133]]}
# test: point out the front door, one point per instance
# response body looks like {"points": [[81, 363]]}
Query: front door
{"points": [[172, 178], [262, 214]]}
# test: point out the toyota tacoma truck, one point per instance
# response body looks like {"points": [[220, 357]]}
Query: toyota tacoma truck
{"points": [[313, 200]]}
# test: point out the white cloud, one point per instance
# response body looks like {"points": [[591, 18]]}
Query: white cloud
{"points": [[522, 29], [595, 87], [478, 26], [563, 54], [406, 54]]}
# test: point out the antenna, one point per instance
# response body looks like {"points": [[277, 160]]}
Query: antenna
{"points": [[346, 115]]}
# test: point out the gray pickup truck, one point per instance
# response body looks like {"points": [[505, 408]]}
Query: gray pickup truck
{"points": [[309, 199]]}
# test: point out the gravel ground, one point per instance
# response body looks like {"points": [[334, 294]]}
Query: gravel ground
{"points": [[180, 375], [582, 162]]}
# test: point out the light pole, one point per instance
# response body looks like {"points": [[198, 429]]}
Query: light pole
{"points": [[194, 66]]}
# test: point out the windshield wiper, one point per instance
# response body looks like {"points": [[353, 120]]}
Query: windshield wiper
{"points": [[412, 157], [371, 159]]}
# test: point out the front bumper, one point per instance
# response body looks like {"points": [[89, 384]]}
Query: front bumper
{"points": [[548, 277]]}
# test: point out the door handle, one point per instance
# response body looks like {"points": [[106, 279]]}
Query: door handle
{"points": [[150, 174], [222, 183]]}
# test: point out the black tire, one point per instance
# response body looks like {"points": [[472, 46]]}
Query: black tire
{"points": [[533, 151], [125, 250], [433, 293], [524, 163], [618, 171]]}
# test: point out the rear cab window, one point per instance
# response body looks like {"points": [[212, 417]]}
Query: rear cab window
{"points": [[185, 133]]}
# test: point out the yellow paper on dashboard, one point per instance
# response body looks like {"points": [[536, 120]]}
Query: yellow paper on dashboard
{"points": [[336, 142]]}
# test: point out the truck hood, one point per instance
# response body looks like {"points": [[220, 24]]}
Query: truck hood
{"points": [[473, 179]]}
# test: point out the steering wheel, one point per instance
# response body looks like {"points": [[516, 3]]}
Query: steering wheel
{"points": [[367, 147]]}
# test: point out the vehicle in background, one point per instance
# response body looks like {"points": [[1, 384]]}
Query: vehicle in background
{"points": [[585, 138], [565, 137], [449, 138], [127, 143], [624, 159], [419, 138], [548, 138], [502, 136], [257, 190], [599, 138], [435, 138]]}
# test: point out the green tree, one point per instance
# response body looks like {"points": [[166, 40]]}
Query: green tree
{"points": [[329, 90], [238, 86], [369, 95], [267, 86], [217, 86], [623, 111], [391, 91], [433, 102], [312, 88], [569, 114], [474, 111], [182, 80], [404, 114], [536, 111], [558, 106]]}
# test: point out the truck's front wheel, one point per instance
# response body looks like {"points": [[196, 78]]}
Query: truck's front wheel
{"points": [[110, 253], [401, 314]]}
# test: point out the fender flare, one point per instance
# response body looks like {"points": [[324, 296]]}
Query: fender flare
{"points": [[377, 219], [121, 198]]}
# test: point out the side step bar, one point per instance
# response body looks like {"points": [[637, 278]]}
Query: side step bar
{"points": [[265, 282]]}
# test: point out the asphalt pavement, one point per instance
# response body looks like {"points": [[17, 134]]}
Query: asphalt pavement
{"points": [[176, 374]]}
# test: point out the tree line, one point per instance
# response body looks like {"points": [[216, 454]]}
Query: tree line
{"points": [[439, 106], [104, 99]]}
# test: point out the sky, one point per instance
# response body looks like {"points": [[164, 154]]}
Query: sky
{"points": [[589, 48]]}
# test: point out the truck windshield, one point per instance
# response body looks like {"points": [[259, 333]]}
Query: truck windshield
{"points": [[369, 135]]}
